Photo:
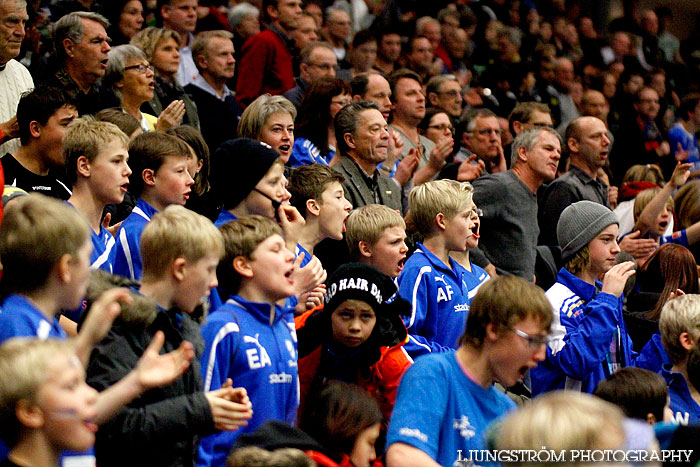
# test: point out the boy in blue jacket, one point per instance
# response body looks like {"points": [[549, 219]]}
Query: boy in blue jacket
{"points": [[590, 341], [436, 286], [247, 339], [679, 325], [159, 179]]}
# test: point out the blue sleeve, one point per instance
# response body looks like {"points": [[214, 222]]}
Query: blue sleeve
{"points": [[127, 259], [221, 341], [680, 237], [15, 325], [417, 289], [653, 356], [579, 346], [419, 411]]}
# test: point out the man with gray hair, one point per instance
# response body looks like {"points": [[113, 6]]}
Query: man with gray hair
{"points": [[82, 47], [445, 92], [508, 200], [363, 142], [14, 77], [218, 110]]}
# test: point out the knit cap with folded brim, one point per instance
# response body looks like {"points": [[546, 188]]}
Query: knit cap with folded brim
{"points": [[579, 223], [237, 166]]}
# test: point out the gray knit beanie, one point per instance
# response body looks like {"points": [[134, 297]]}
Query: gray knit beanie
{"points": [[579, 223]]}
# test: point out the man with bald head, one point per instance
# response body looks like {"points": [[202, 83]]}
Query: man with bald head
{"points": [[373, 87], [586, 139]]}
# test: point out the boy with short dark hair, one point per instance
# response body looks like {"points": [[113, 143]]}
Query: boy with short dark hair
{"points": [[96, 155], [181, 250], [376, 236], [317, 193], [435, 284], [159, 179], [248, 339], [640, 393]]}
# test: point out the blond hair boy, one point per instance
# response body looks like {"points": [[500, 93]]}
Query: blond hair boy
{"points": [[181, 250], [96, 155], [376, 236], [438, 288]]}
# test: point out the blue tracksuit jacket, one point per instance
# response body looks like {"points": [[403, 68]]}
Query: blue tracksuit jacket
{"points": [[127, 261], [587, 327], [254, 346], [439, 298]]}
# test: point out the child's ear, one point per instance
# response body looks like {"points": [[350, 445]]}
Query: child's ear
{"points": [[313, 207], [242, 267], [365, 249], [440, 221], [149, 177], [83, 166], [29, 414], [178, 269], [63, 267], [651, 419], [686, 341]]}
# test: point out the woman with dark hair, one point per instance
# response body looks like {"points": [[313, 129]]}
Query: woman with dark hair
{"points": [[670, 271], [125, 19], [315, 135], [345, 420]]}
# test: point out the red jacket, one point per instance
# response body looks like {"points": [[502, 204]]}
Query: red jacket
{"points": [[265, 67], [384, 376]]}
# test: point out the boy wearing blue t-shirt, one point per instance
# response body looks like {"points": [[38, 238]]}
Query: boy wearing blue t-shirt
{"points": [[159, 178], [433, 283], [247, 339], [446, 401], [96, 155], [679, 325]]}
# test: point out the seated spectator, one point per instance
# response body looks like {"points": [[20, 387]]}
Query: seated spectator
{"points": [[217, 108], [130, 77], [373, 87], [244, 21], [346, 422], [641, 394], [679, 328], [355, 337], [314, 141], [388, 51], [589, 340], [446, 401], [445, 92], [181, 250], [248, 339], [161, 47], [125, 122], [376, 236], [180, 16], [38, 165], [637, 178], [681, 136], [270, 119], [159, 178], [438, 288], [337, 31]]}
